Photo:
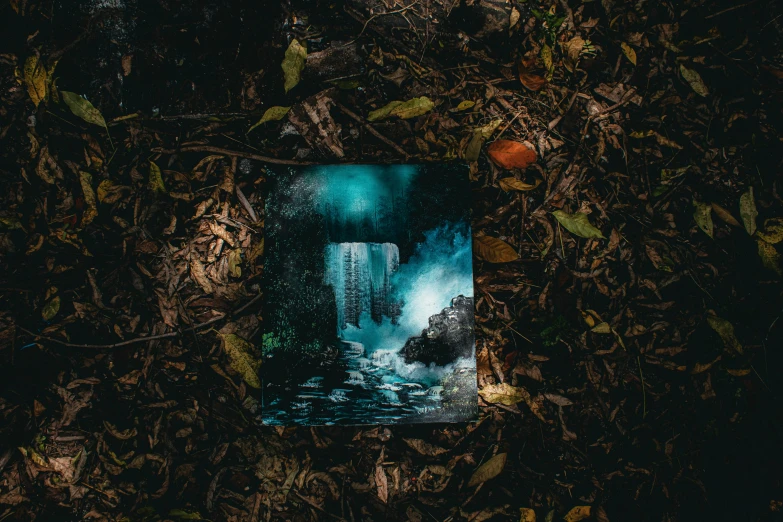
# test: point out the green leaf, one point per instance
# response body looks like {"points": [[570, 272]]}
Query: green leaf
{"points": [[694, 80], [238, 351], [703, 215], [156, 179], [51, 308], [489, 470], [293, 64], [748, 211], [577, 224], [770, 257], [494, 250], [726, 332], [83, 109], [405, 110], [271, 114]]}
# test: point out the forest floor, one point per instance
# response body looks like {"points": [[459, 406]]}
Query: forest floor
{"points": [[625, 161]]}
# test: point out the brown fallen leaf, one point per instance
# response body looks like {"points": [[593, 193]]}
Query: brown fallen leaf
{"points": [[509, 154], [510, 183], [494, 250], [530, 79], [489, 470], [381, 483], [425, 448], [577, 513], [199, 274]]}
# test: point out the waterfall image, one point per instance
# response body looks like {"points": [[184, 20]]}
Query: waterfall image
{"points": [[368, 296]]}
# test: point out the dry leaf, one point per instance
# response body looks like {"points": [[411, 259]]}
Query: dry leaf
{"points": [[703, 215], [409, 109], [528, 77], [494, 250], [508, 184], [577, 513], [35, 78], [465, 105], [238, 351], [770, 257], [694, 80], [156, 179], [509, 154], [381, 483], [480, 135], [628, 52], [748, 211], [425, 448], [51, 308], [726, 332], [725, 215], [527, 515], [489, 470], [773, 231], [91, 208], [199, 274]]}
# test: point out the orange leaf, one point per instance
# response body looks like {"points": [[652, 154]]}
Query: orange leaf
{"points": [[509, 154], [529, 79]]}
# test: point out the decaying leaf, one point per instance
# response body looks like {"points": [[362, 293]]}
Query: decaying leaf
{"points": [[769, 255], [572, 50], [527, 515], [156, 179], [199, 274], [726, 332], [510, 154], [503, 393], [409, 109], [725, 215], [51, 308], [35, 79], [527, 75], [628, 52], [773, 231], [234, 260], [694, 80], [381, 483], [425, 448], [84, 109], [748, 211], [238, 351], [271, 114], [577, 224], [508, 184], [577, 513], [489, 470], [494, 250], [91, 208], [293, 63], [480, 135], [702, 213]]}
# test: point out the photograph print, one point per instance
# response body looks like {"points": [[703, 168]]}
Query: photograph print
{"points": [[368, 296]]}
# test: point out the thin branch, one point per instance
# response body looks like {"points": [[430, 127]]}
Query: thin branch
{"points": [[167, 335], [226, 152]]}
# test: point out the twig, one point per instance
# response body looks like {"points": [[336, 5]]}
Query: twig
{"points": [[145, 338], [226, 152], [246, 204], [644, 392], [372, 131]]}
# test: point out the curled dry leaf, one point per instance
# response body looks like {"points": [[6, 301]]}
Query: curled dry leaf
{"points": [[494, 250], [577, 224], [508, 154], [489, 470], [199, 274], [381, 483], [528, 77], [293, 64], [238, 351], [91, 208], [510, 183], [425, 448]]}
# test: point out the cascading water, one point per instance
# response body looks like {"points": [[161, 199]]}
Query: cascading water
{"points": [[359, 274]]}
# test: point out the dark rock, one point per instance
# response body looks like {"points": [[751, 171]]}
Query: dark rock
{"points": [[448, 337]]}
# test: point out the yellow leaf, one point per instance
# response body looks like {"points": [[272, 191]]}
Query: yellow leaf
{"points": [[694, 80], [494, 250], [503, 393], [601, 328], [773, 231], [577, 513], [293, 64], [577, 224], [238, 351], [515, 184], [702, 213], [156, 179], [51, 308], [489, 470], [409, 109], [546, 57], [480, 135], [527, 515], [726, 332], [271, 114], [465, 105], [35, 79], [628, 52], [83, 109], [738, 372], [91, 208], [748, 211], [770, 257]]}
